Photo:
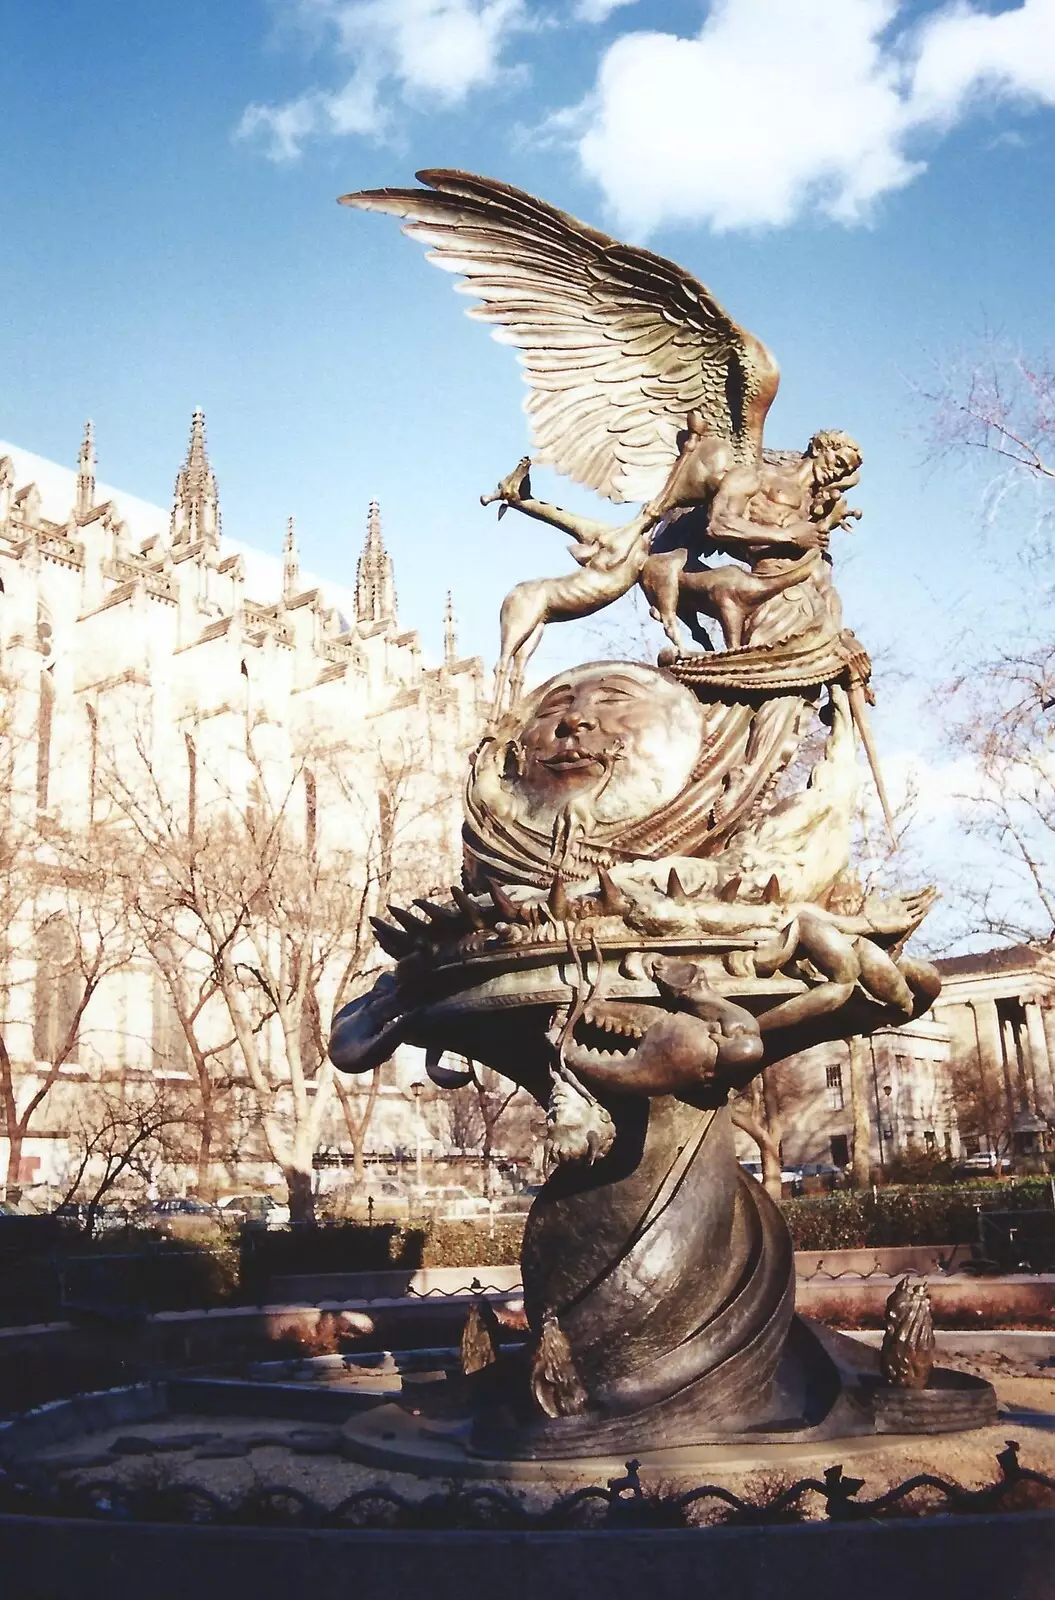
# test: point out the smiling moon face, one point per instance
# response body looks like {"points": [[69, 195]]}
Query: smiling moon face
{"points": [[613, 740]]}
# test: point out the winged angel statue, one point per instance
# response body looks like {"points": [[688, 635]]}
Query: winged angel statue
{"points": [[646, 919], [644, 389]]}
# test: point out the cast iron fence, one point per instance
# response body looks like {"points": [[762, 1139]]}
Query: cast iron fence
{"points": [[622, 1503]]}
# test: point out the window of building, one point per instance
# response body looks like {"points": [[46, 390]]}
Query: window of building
{"points": [[45, 719], [254, 808], [930, 1139], [386, 840], [312, 1037], [192, 784], [840, 1147], [93, 759], [57, 991], [311, 799], [43, 631], [168, 1042], [833, 1081]]}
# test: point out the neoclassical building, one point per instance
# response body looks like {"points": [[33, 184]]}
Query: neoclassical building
{"points": [[134, 628], [999, 1007], [975, 1076]]}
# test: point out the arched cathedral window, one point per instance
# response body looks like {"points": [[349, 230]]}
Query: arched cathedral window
{"points": [[192, 784], [386, 835], [45, 720], [57, 991], [311, 800], [93, 759], [167, 1039]]}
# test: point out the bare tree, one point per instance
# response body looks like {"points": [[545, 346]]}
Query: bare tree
{"points": [[755, 1110], [270, 921], [475, 1112], [65, 931], [983, 1117], [357, 1109], [255, 905], [1004, 724], [119, 1132], [999, 404], [996, 408], [204, 1040]]}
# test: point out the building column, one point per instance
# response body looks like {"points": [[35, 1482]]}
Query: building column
{"points": [[1047, 1017], [1019, 1083], [991, 1067], [1040, 1061]]}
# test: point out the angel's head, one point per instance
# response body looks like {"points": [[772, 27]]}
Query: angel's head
{"points": [[836, 458]]}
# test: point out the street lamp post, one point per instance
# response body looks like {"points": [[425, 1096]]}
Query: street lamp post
{"points": [[415, 1090]]}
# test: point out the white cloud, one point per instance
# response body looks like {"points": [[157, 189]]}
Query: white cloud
{"points": [[428, 52], [781, 107], [599, 10]]}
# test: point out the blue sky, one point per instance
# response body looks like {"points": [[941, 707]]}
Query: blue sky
{"points": [[865, 186]]}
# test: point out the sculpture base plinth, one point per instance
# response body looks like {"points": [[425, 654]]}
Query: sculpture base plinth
{"points": [[827, 1387], [951, 1403]]}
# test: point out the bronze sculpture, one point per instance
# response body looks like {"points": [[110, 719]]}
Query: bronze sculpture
{"points": [[647, 919], [907, 1355]]}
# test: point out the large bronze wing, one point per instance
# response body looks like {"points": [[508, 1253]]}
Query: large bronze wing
{"points": [[619, 344]]}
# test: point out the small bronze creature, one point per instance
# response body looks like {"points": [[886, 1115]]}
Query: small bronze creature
{"points": [[908, 1342]]}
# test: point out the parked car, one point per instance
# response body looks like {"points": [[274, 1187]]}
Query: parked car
{"points": [[455, 1202], [983, 1164], [108, 1218], [253, 1211], [818, 1177], [185, 1218], [789, 1176], [391, 1201]]}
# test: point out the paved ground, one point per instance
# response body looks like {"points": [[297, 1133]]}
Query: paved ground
{"points": [[232, 1456]]}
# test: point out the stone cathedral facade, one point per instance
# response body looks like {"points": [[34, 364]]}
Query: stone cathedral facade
{"points": [[120, 621]]}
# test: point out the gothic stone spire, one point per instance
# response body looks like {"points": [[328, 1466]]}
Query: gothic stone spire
{"points": [[86, 474], [450, 633], [195, 506], [290, 564], [375, 589]]}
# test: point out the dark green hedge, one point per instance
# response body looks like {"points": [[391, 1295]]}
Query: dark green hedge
{"points": [[904, 1215], [366, 1247], [897, 1215], [158, 1275], [134, 1274]]}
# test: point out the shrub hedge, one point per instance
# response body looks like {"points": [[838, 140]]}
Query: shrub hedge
{"points": [[129, 1272], [372, 1247], [896, 1215], [160, 1275], [906, 1214]]}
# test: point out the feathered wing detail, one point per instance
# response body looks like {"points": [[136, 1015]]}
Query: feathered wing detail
{"points": [[619, 344]]}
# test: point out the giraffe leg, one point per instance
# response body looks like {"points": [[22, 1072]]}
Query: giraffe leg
{"points": [[521, 657]]}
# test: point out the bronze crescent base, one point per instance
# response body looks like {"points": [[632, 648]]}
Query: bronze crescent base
{"points": [[671, 1274]]}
